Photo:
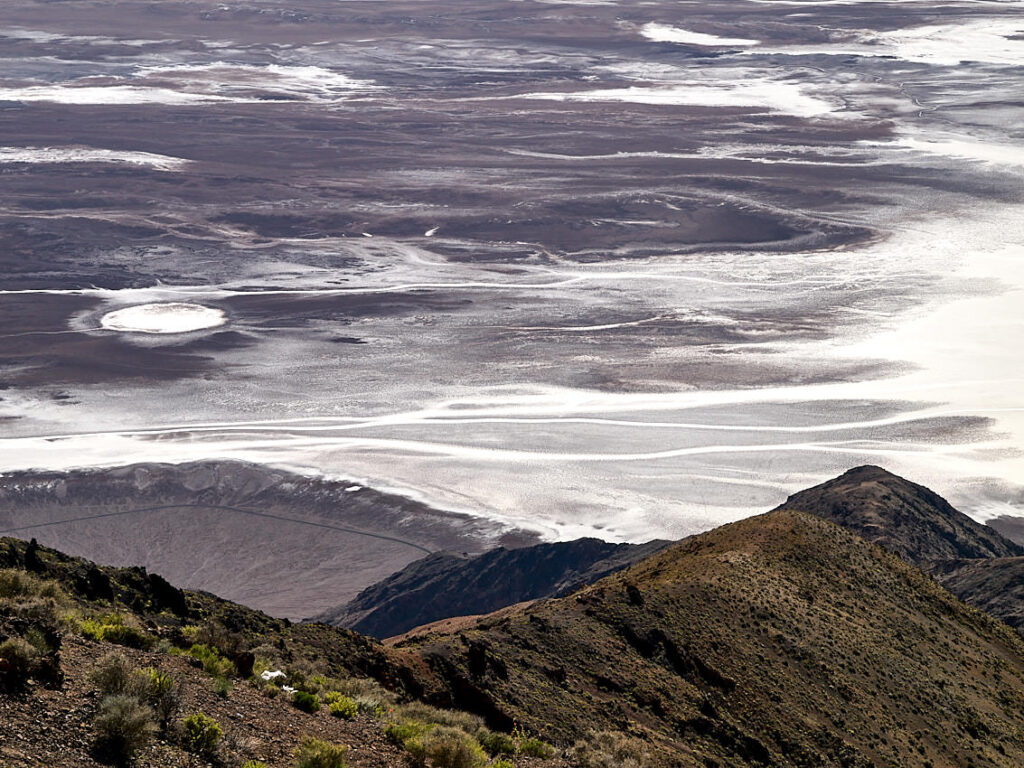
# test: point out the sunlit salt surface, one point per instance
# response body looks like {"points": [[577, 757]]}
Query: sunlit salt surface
{"points": [[491, 394], [60, 155], [762, 95], [217, 82], [174, 317], [663, 33]]}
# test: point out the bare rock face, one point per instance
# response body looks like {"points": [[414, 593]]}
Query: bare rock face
{"points": [[904, 517], [446, 585]]}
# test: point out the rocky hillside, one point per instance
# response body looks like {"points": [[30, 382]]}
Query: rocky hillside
{"points": [[778, 640], [973, 561], [103, 666], [904, 517], [445, 585]]}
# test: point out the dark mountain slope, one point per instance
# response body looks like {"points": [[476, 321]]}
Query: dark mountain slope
{"points": [[778, 640], [444, 585], [904, 517], [995, 585], [1010, 527]]}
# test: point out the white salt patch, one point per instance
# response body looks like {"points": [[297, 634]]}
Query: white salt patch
{"points": [[172, 317], [991, 41], [106, 94], [987, 41], [960, 147], [768, 95], [200, 84], [46, 155], [663, 33]]}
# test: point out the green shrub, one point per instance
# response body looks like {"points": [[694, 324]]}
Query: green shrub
{"points": [[447, 747], [307, 702], [221, 686], [254, 764], [535, 748], [449, 717], [19, 659], [364, 686], [123, 726], [399, 733], [213, 661], [36, 637], [114, 628], [162, 694], [342, 706], [496, 743], [502, 764], [201, 734], [314, 753]]}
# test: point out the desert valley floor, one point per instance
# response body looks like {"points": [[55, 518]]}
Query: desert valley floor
{"points": [[555, 268]]}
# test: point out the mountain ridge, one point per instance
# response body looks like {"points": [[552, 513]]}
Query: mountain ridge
{"points": [[767, 641], [447, 585]]}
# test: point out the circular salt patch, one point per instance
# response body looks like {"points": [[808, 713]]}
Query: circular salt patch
{"points": [[163, 318]]}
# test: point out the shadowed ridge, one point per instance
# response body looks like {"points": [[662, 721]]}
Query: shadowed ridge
{"points": [[446, 585], [778, 640], [904, 517]]}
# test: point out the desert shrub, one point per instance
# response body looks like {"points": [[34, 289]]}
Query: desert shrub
{"points": [[161, 693], [502, 764], [123, 726], [201, 734], [496, 743], [37, 610], [314, 753], [19, 585], [221, 686], [399, 733], [113, 675], [307, 702], [38, 639], [447, 747], [214, 634], [368, 705], [611, 750], [449, 717], [114, 628], [532, 747], [18, 659], [213, 661], [343, 706], [254, 764], [364, 687]]}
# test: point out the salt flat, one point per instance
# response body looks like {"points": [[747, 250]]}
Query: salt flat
{"points": [[573, 268]]}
